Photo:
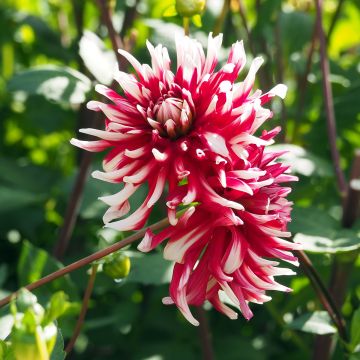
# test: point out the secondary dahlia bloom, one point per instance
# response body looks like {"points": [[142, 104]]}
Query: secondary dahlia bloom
{"points": [[179, 128], [195, 131]]}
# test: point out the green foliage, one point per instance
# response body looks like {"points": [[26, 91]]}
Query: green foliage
{"points": [[35, 263], [60, 84], [355, 332], [318, 323], [52, 53]]}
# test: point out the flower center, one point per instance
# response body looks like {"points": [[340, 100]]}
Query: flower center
{"points": [[172, 117]]}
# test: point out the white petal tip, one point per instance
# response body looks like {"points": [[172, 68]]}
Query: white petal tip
{"points": [[167, 301], [280, 90]]}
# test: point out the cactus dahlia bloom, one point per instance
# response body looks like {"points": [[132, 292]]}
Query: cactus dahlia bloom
{"points": [[194, 131], [181, 128]]}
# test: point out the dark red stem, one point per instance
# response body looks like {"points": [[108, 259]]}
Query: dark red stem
{"points": [[328, 97], [84, 308], [87, 260], [205, 334]]}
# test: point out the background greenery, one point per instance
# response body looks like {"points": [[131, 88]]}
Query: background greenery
{"points": [[52, 54]]}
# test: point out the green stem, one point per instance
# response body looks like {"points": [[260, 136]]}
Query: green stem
{"points": [[186, 25]]}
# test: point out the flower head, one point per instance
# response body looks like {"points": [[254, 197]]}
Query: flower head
{"points": [[195, 130], [185, 128]]}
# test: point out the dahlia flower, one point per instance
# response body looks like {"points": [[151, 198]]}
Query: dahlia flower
{"points": [[194, 130], [179, 128]]}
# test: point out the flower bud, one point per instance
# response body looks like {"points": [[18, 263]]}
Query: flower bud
{"points": [[189, 8], [25, 299], [117, 266]]}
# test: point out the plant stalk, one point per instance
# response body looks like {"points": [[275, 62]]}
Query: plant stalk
{"points": [[205, 334], [87, 260], [329, 104], [84, 308]]}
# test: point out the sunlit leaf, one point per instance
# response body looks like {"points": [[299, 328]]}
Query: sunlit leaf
{"points": [[100, 61], [56, 83], [302, 162], [318, 244], [170, 11], [318, 322]]}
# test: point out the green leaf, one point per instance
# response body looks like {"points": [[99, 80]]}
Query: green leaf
{"points": [[58, 352], [303, 162], [57, 305], [196, 19], [35, 263], [318, 322], [355, 330], [290, 22], [149, 269], [100, 61], [29, 177], [312, 221], [13, 199], [6, 352], [318, 244], [56, 83], [170, 11]]}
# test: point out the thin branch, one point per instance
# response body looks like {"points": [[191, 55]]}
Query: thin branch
{"points": [[334, 19], [87, 260], [323, 294], [242, 12], [329, 105], [204, 334], [129, 18], [341, 270], [84, 308], [115, 39], [73, 207], [280, 76]]}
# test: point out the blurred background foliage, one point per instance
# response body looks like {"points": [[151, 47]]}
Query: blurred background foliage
{"points": [[53, 53]]}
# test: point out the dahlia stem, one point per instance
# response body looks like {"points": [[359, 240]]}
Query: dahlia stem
{"points": [[116, 41], [342, 268], [242, 13], [204, 334], [84, 308], [186, 25], [73, 207], [329, 104], [87, 260], [323, 294], [280, 78]]}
